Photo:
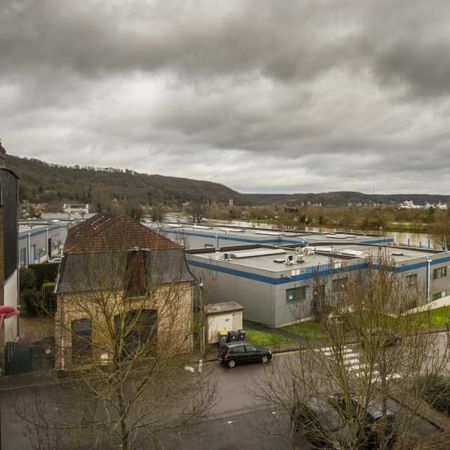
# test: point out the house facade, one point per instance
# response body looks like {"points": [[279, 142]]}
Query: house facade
{"points": [[117, 277]]}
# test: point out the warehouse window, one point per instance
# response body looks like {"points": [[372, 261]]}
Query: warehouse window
{"points": [[295, 294], [339, 284], [22, 257], [411, 280], [441, 272], [438, 295]]}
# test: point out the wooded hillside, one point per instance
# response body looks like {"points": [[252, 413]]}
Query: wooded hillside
{"points": [[49, 183], [42, 182]]}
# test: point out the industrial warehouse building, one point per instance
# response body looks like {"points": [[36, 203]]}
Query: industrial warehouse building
{"points": [[272, 283], [40, 241], [202, 236]]}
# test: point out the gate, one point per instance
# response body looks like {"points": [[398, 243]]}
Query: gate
{"points": [[23, 358]]}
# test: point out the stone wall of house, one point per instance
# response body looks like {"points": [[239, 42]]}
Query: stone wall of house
{"points": [[173, 303]]}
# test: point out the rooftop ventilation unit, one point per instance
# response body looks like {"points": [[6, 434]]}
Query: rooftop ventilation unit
{"points": [[324, 249], [235, 230], [300, 259], [289, 260], [257, 252], [268, 233], [355, 253]]}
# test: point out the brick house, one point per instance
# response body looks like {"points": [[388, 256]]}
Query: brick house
{"points": [[118, 276]]}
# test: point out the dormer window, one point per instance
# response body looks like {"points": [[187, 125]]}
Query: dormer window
{"points": [[136, 273]]}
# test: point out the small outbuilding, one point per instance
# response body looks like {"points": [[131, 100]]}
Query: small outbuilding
{"points": [[226, 316]]}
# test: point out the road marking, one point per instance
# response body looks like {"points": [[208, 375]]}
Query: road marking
{"points": [[351, 362], [351, 355], [366, 375], [357, 367]]}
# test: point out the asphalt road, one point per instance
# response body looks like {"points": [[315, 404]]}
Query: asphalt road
{"points": [[254, 430], [238, 420]]}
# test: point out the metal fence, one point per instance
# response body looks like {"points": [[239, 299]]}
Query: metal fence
{"points": [[23, 358]]}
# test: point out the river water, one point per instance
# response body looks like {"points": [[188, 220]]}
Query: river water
{"points": [[423, 240]]}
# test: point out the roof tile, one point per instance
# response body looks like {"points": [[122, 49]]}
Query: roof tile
{"points": [[106, 233]]}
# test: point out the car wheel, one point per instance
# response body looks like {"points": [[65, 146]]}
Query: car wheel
{"points": [[231, 363], [265, 359]]}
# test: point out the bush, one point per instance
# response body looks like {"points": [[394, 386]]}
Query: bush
{"points": [[27, 279], [37, 283], [37, 302], [48, 298], [435, 390], [44, 273]]}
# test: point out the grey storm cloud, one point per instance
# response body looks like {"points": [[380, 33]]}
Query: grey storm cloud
{"points": [[263, 96]]}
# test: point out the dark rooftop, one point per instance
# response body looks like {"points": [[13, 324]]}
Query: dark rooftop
{"points": [[106, 233]]}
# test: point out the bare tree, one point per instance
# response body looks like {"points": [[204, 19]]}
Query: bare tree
{"points": [[124, 341], [373, 356]]}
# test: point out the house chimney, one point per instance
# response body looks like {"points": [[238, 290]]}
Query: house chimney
{"points": [[2, 156]]}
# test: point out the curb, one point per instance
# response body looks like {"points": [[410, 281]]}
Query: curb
{"points": [[432, 416]]}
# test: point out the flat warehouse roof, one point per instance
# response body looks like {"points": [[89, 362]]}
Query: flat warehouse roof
{"points": [[258, 235], [274, 262], [283, 260], [397, 254]]}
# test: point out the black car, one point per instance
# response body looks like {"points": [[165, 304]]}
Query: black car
{"points": [[242, 352], [378, 427], [320, 424]]}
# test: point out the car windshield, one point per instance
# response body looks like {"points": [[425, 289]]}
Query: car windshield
{"points": [[328, 416]]}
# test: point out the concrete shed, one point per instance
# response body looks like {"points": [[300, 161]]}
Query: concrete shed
{"points": [[226, 316]]}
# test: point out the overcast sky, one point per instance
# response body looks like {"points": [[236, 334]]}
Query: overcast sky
{"points": [[264, 96]]}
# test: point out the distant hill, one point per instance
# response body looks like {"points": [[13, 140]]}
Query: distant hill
{"points": [[42, 182], [343, 198]]}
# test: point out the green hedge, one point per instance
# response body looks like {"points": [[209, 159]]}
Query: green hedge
{"points": [[37, 283], [44, 273], [435, 390]]}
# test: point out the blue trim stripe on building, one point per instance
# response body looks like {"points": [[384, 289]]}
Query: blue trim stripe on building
{"points": [[280, 240], [307, 275], [272, 280], [24, 234], [385, 240], [227, 238], [422, 264]]}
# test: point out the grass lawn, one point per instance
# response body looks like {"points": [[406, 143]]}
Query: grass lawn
{"points": [[265, 338], [433, 318], [309, 329]]}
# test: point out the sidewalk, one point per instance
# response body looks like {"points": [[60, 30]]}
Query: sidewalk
{"points": [[444, 301]]}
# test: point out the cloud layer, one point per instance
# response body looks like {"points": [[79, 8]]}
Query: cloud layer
{"points": [[309, 95]]}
